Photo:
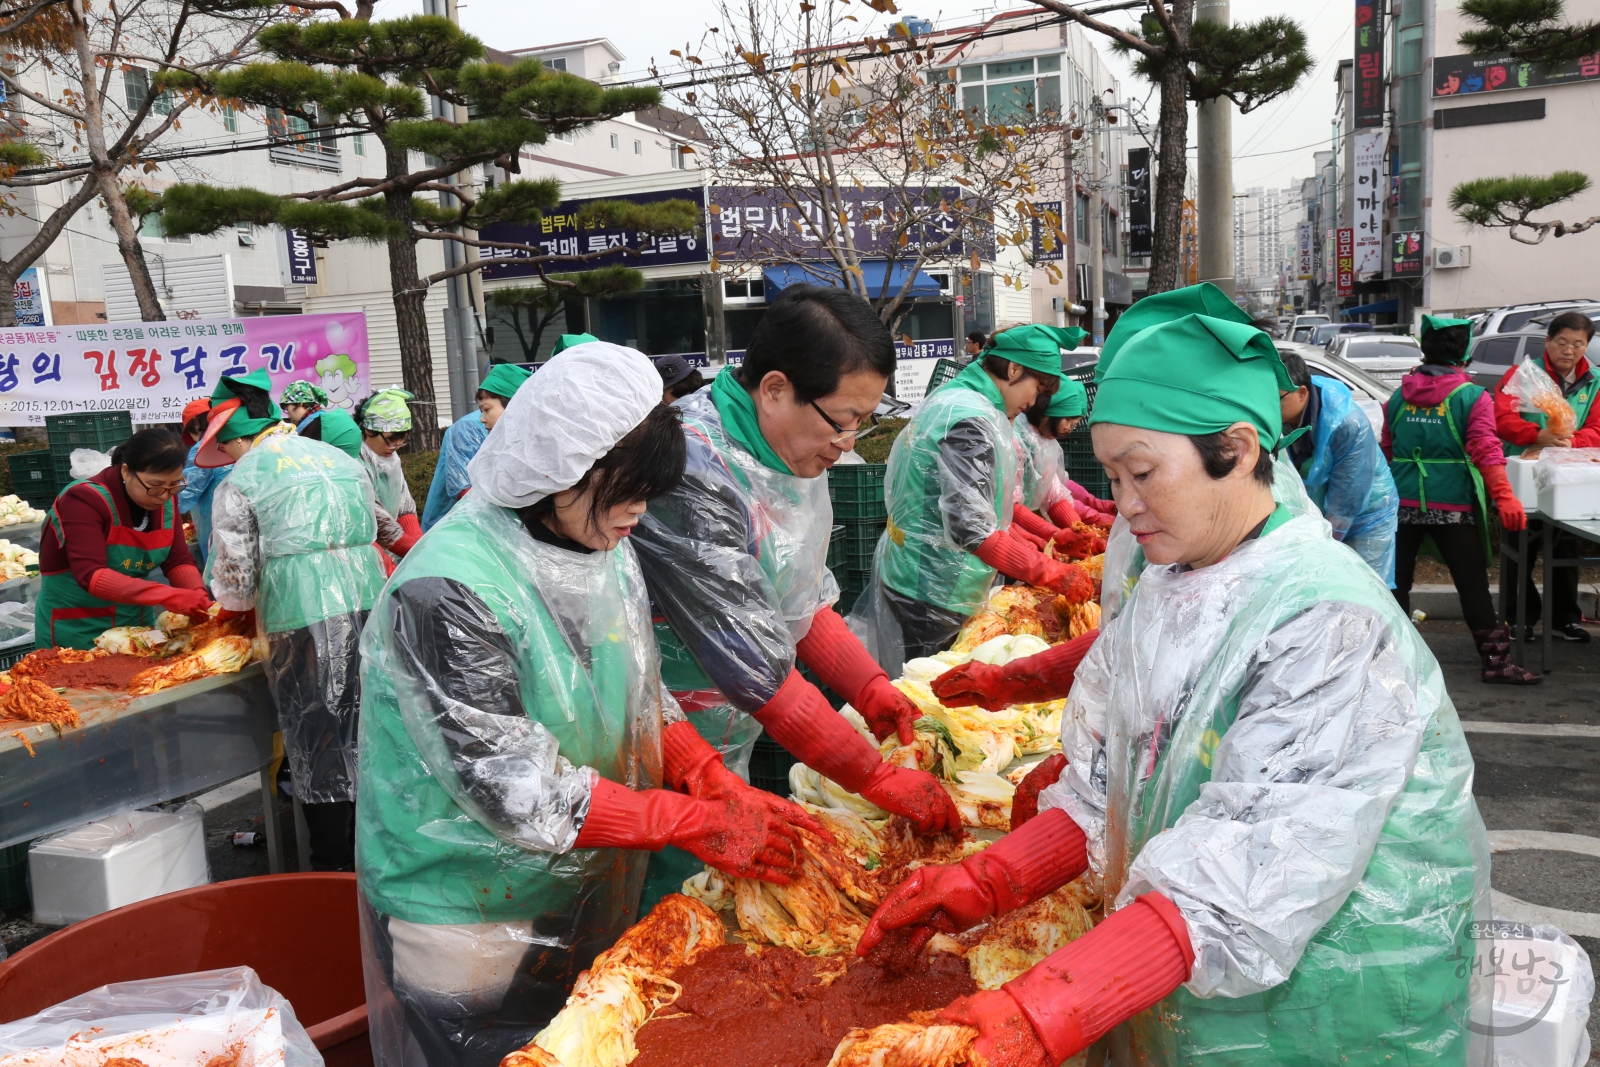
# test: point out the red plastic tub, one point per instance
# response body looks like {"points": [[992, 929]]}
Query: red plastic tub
{"points": [[299, 932]]}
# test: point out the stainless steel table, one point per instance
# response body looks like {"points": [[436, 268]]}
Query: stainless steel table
{"points": [[1584, 529], [131, 752]]}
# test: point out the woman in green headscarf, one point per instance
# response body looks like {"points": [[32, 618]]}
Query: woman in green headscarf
{"points": [[950, 493], [306, 405], [385, 420], [1042, 485], [1263, 770]]}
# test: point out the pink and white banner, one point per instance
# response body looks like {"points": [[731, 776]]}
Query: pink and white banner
{"points": [[155, 368]]}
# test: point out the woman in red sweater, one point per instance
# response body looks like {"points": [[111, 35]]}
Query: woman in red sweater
{"points": [[104, 537]]}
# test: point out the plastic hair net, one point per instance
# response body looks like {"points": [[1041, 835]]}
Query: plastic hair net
{"points": [[580, 404], [736, 560], [950, 485], [1268, 742], [177, 1021], [1348, 478], [500, 675]]}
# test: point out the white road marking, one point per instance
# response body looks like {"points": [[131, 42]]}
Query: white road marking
{"points": [[1530, 729], [228, 793], [1506, 906]]}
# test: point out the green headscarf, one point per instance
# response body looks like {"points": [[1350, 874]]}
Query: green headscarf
{"points": [[1036, 347], [504, 379], [1070, 400], [569, 339], [739, 420], [240, 424], [1440, 322], [303, 392], [386, 412], [1195, 375], [1202, 299]]}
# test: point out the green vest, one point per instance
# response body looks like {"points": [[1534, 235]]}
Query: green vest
{"points": [[1581, 400], [588, 671], [1430, 463], [915, 556], [67, 615], [316, 530], [1385, 981]]}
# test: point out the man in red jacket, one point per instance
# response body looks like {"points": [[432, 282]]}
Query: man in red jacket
{"points": [[1566, 341]]}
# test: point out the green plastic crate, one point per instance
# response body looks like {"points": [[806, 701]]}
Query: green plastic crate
{"points": [[99, 430], [8, 656], [1078, 449], [943, 371], [860, 542], [769, 766], [33, 477], [857, 492], [14, 877], [836, 548]]}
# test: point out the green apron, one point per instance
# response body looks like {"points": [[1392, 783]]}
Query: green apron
{"points": [[1430, 455], [1580, 401], [588, 670], [915, 556], [316, 531], [68, 615], [1383, 982]]}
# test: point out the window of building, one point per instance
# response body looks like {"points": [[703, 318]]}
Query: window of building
{"points": [[296, 141], [680, 156], [638, 148], [1082, 223], [136, 90], [358, 144], [556, 64], [1407, 101], [664, 317], [230, 118], [614, 141], [1011, 91]]}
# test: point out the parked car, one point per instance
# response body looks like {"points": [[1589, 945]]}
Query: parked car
{"points": [[1328, 331], [1300, 329], [1385, 356], [1514, 317], [1370, 392]]}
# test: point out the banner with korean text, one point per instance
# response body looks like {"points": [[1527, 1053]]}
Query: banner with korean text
{"points": [[154, 368], [1367, 178]]}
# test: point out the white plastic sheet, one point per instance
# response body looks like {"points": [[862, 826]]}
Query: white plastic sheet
{"points": [[184, 1020]]}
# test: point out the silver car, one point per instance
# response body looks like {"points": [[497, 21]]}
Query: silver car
{"points": [[1385, 356]]}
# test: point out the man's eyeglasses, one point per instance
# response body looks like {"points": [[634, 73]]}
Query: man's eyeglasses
{"points": [[159, 491], [1570, 346], [841, 436]]}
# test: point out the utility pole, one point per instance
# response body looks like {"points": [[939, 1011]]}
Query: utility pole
{"points": [[460, 330], [1215, 206]]}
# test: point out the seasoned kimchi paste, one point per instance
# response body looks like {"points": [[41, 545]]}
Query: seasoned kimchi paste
{"points": [[778, 1008]]}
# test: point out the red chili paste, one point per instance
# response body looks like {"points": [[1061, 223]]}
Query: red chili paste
{"points": [[772, 1010], [105, 672]]}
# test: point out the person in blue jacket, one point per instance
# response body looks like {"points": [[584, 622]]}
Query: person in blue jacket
{"points": [[1342, 464], [465, 436], [199, 483]]}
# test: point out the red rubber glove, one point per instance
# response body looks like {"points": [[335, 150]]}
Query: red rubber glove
{"points": [[1027, 538], [1079, 544], [413, 533], [108, 584], [1015, 871], [186, 576], [1063, 514], [1512, 515], [690, 765], [1106, 507], [1005, 1036], [1025, 520], [842, 662], [739, 839], [1025, 802], [1015, 560], [1132, 961], [1047, 675], [800, 720]]}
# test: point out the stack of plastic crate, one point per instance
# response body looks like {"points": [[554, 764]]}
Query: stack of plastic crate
{"points": [[99, 430], [33, 477], [858, 505], [1082, 467]]}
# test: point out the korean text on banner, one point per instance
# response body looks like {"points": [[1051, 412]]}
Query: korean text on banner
{"points": [[154, 368], [1369, 63], [31, 301], [1346, 261], [1367, 174]]}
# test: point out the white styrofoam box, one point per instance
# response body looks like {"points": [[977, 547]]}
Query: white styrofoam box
{"points": [[118, 860], [1541, 983], [1569, 482], [1570, 501], [1519, 472]]}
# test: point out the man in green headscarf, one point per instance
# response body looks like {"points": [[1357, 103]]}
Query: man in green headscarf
{"points": [[465, 436], [292, 539], [950, 492], [306, 405], [385, 419], [1262, 766]]}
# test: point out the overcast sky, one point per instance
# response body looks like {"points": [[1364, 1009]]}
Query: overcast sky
{"points": [[1272, 145]]}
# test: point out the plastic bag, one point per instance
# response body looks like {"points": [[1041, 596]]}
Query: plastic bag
{"points": [[1531, 385], [86, 462], [1566, 466], [184, 1020], [1543, 983]]}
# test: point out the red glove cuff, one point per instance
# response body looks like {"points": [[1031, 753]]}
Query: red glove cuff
{"points": [[1024, 519], [1499, 486], [684, 755], [119, 588], [1027, 538], [1130, 962], [405, 544], [620, 817], [1063, 514], [800, 720], [1010, 557], [409, 523], [186, 576], [1033, 862], [837, 656], [1049, 675]]}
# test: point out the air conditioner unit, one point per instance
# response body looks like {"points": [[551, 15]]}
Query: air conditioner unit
{"points": [[1449, 256]]}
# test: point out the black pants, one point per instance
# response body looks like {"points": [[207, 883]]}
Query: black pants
{"points": [[1563, 580], [331, 830], [924, 628], [1461, 545]]}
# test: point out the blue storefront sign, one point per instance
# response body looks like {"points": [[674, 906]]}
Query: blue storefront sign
{"points": [[561, 233]]}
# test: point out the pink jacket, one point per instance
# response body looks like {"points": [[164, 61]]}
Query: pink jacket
{"points": [[1426, 387]]}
